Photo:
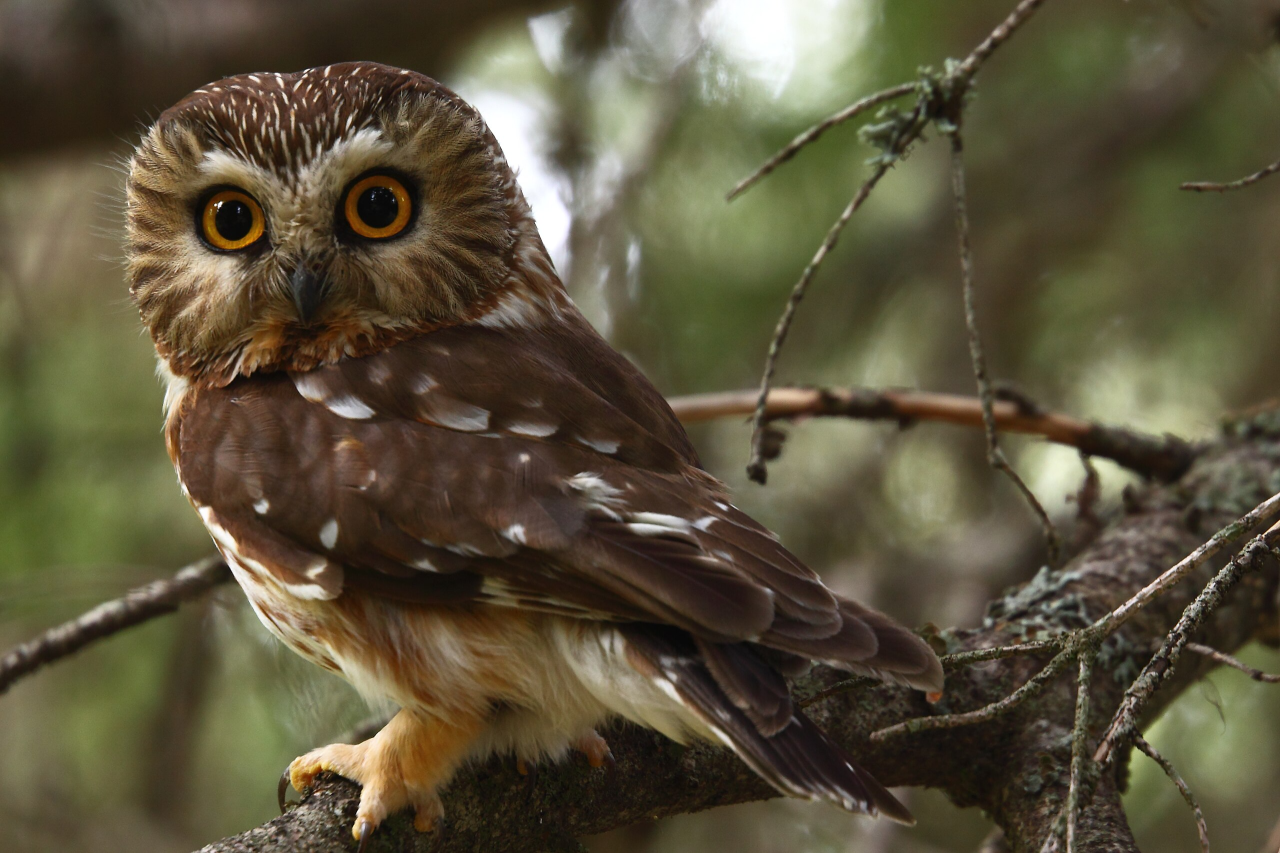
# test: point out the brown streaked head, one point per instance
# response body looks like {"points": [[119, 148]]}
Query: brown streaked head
{"points": [[285, 220]]}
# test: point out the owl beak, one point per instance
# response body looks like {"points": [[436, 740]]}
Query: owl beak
{"points": [[309, 286]]}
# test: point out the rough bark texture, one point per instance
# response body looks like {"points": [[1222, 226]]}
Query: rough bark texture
{"points": [[1015, 767]]}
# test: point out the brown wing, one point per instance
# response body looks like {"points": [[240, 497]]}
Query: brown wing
{"points": [[523, 467]]}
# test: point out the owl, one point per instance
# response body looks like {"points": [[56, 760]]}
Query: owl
{"points": [[429, 474]]}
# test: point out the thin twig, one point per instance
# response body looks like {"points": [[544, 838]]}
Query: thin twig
{"points": [[1262, 513], [949, 662], [1006, 28], [941, 99], [756, 467], [1172, 773], [793, 147], [1075, 644], [1164, 662], [963, 659], [1163, 457], [140, 605], [989, 712], [1235, 663], [1079, 743], [995, 455], [1250, 180]]}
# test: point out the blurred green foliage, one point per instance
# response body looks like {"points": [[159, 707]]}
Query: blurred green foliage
{"points": [[1103, 290]]}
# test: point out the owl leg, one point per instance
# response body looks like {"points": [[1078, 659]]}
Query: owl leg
{"points": [[402, 765]]}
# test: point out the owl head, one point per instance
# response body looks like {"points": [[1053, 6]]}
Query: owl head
{"points": [[282, 221]]}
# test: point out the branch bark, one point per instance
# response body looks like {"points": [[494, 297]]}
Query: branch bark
{"points": [[1022, 784]]}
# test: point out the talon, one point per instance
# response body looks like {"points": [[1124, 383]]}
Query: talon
{"points": [[282, 789], [931, 698], [362, 831], [596, 749], [526, 768]]}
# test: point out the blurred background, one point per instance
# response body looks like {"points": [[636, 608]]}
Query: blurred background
{"points": [[1103, 292]]}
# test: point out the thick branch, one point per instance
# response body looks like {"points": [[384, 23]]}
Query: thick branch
{"points": [[1022, 784]]}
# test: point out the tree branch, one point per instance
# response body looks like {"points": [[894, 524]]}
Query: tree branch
{"points": [[110, 617], [1161, 457], [1021, 785]]}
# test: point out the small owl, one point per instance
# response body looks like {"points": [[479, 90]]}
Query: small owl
{"points": [[432, 477]]}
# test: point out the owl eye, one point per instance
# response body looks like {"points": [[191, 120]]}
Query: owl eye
{"points": [[231, 220], [377, 207]]}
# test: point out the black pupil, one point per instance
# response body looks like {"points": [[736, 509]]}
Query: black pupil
{"points": [[378, 207], [233, 219]]}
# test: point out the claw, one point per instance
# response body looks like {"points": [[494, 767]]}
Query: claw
{"points": [[363, 831], [282, 789]]}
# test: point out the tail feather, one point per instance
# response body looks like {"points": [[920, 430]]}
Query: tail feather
{"points": [[798, 759]]}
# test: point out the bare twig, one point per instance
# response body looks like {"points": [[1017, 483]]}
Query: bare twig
{"points": [[1079, 744], [1234, 663], [1082, 641], [1162, 664], [147, 602], [1262, 513], [1161, 457], [995, 455], [1250, 180], [1031, 688], [940, 99], [1172, 773], [756, 467], [1006, 28], [793, 147]]}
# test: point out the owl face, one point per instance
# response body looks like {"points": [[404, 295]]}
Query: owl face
{"points": [[286, 220]]}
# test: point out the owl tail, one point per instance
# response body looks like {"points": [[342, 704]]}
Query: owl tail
{"points": [[759, 721]]}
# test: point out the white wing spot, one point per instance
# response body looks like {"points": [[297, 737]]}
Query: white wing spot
{"points": [[704, 523], [600, 445], [424, 564], [532, 429], [329, 533], [659, 519], [516, 534], [349, 407], [455, 414], [261, 506]]}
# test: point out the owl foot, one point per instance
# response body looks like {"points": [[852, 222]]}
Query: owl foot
{"points": [[401, 766], [596, 749]]}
